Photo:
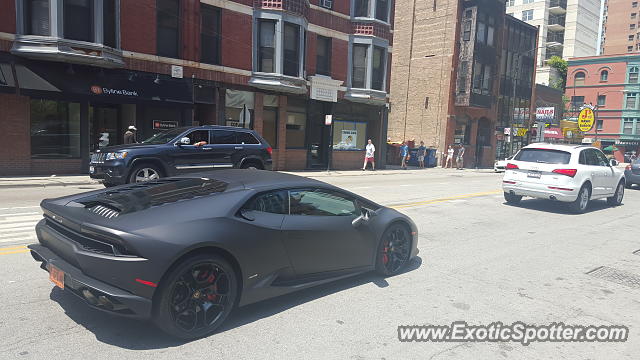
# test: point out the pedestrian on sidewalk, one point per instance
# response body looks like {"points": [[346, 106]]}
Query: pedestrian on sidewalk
{"points": [[460, 158], [130, 135], [449, 162], [370, 150], [422, 150], [404, 155]]}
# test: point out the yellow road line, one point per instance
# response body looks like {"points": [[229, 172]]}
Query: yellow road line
{"points": [[13, 248], [14, 252], [434, 201]]}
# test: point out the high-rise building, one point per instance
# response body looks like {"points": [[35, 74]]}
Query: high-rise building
{"points": [[568, 28], [462, 73], [620, 27]]}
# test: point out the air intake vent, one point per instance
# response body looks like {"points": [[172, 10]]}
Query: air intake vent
{"points": [[105, 211]]}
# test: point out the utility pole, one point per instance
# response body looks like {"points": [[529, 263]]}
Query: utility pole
{"points": [[406, 100]]}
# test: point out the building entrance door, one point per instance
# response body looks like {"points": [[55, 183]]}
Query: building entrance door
{"points": [[318, 135], [105, 128]]}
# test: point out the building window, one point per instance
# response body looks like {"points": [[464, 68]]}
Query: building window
{"points": [[168, 32], [326, 4], [349, 135], [323, 56], [55, 129], [239, 108], [491, 31], [481, 29], [291, 50], [382, 10], [631, 37], [462, 77], [78, 20], [629, 48], [602, 100], [377, 69], [599, 124], [296, 123], [270, 119], [604, 75], [36, 17], [361, 8], [633, 75], [627, 126], [359, 71], [466, 35], [109, 23], [209, 34], [576, 102], [632, 26], [266, 52], [511, 3], [527, 15], [633, 16], [527, 1], [634, 4], [631, 101], [579, 79]]}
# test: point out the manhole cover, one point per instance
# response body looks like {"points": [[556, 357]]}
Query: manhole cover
{"points": [[616, 276]]}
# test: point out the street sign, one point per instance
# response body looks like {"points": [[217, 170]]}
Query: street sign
{"points": [[586, 119], [328, 119]]}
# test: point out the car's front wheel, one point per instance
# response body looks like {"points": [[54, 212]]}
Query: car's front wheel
{"points": [[394, 250], [512, 198], [616, 199], [196, 297], [581, 203], [144, 173]]}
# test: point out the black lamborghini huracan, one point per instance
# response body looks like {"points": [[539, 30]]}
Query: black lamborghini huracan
{"points": [[184, 251]]}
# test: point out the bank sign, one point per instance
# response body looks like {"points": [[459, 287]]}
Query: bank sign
{"points": [[545, 113], [99, 90]]}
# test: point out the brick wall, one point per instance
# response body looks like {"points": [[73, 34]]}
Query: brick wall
{"points": [[14, 135], [345, 160], [236, 45], [138, 25], [8, 16], [339, 59], [190, 24]]}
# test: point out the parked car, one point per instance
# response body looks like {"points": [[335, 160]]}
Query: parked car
{"points": [[178, 151], [632, 173], [185, 251], [574, 174], [500, 165]]}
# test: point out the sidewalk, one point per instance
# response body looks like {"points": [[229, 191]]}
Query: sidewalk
{"points": [[75, 180]]}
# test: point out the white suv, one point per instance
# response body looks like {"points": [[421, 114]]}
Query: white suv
{"points": [[570, 173]]}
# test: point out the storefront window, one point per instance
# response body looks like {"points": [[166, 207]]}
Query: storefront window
{"points": [[55, 129], [270, 120], [349, 135], [296, 123], [239, 109]]}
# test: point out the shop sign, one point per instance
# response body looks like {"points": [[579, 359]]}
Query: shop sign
{"points": [[99, 90], [554, 133], [164, 124], [520, 131], [328, 119], [628, 142], [586, 119], [545, 113], [177, 71], [324, 88], [348, 140], [507, 131]]}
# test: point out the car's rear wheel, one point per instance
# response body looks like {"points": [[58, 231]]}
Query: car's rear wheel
{"points": [[616, 199], [144, 173], [108, 184], [628, 185], [581, 203], [196, 297], [512, 198], [252, 164], [394, 250]]}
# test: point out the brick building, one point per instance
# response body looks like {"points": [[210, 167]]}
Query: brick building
{"points": [[74, 74], [620, 27], [611, 84], [463, 71]]}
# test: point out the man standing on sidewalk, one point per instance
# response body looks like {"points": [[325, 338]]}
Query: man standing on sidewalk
{"points": [[422, 150], [368, 156], [460, 158], [404, 154]]}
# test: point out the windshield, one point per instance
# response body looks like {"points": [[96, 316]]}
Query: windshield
{"points": [[164, 136], [546, 156]]}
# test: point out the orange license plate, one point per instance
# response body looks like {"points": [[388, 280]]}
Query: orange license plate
{"points": [[56, 276]]}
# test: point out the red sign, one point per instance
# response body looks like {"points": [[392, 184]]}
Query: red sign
{"points": [[164, 124], [96, 90], [553, 133]]}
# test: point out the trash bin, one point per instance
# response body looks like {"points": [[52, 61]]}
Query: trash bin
{"points": [[413, 159], [430, 159]]}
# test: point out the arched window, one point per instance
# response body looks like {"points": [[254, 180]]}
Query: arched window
{"points": [[604, 75], [579, 79]]}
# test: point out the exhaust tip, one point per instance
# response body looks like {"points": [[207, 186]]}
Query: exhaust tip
{"points": [[104, 301], [36, 256], [88, 295]]}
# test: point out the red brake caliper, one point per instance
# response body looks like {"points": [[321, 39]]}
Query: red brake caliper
{"points": [[385, 257], [210, 280]]}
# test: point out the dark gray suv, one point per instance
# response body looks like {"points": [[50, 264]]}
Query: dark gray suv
{"points": [[179, 151]]}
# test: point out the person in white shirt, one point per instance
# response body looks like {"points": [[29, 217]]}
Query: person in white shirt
{"points": [[368, 156], [449, 162]]}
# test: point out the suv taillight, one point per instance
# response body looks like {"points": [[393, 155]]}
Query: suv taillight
{"points": [[567, 172], [270, 150], [512, 166]]}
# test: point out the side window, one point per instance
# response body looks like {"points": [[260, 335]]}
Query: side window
{"points": [[224, 137], [583, 158], [246, 138], [591, 157], [602, 159], [198, 136], [274, 202], [320, 203]]}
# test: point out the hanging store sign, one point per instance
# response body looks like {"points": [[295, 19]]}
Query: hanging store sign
{"points": [[586, 119], [545, 113], [324, 88]]}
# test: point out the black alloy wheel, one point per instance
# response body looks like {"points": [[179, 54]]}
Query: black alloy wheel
{"points": [[394, 250], [198, 297]]}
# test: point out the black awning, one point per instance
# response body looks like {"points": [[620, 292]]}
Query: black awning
{"points": [[76, 82]]}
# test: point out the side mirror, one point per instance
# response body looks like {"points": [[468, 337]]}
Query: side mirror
{"points": [[184, 141], [247, 215], [613, 162], [363, 218]]}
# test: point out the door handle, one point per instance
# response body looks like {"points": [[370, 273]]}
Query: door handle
{"points": [[207, 149], [239, 147]]}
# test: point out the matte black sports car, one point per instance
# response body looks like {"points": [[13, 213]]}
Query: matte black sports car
{"points": [[184, 251]]}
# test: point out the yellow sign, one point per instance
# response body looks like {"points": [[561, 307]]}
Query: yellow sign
{"points": [[586, 120], [519, 131]]}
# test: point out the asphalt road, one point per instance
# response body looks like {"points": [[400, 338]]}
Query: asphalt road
{"points": [[480, 261]]}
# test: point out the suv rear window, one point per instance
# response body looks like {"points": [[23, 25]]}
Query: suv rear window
{"points": [[546, 156]]}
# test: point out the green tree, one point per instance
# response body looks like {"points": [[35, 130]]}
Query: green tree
{"points": [[560, 65]]}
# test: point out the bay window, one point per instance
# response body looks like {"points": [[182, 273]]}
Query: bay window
{"points": [[109, 23], [266, 52], [377, 70], [291, 64], [368, 64], [359, 74], [280, 46], [371, 9], [36, 17], [361, 8], [78, 20]]}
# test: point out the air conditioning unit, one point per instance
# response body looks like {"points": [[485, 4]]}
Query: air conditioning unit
{"points": [[326, 3]]}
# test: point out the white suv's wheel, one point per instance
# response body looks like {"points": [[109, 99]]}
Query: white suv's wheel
{"points": [[580, 205], [616, 199]]}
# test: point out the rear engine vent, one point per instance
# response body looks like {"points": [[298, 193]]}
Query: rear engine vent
{"points": [[105, 211]]}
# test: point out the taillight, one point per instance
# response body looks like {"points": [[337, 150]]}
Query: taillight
{"points": [[628, 167], [269, 150], [512, 166], [567, 172]]}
